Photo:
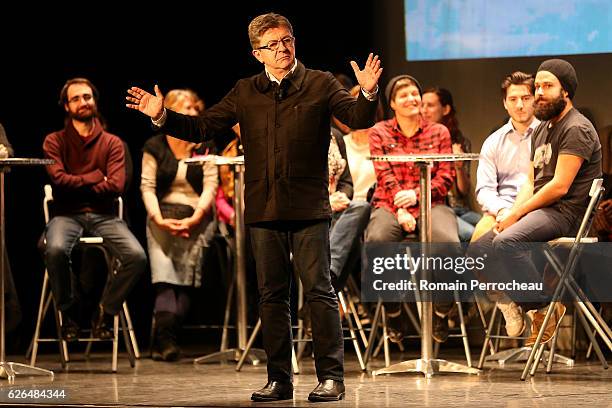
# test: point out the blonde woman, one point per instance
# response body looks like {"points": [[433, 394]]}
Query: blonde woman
{"points": [[179, 201]]}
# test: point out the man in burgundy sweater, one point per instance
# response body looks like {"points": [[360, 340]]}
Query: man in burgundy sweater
{"points": [[87, 177]]}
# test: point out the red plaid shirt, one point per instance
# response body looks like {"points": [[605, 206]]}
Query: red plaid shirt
{"points": [[386, 138]]}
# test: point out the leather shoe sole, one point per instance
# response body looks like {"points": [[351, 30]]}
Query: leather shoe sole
{"points": [[320, 398], [262, 398], [273, 391]]}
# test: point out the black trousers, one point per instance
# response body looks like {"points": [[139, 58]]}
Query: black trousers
{"points": [[308, 241]]}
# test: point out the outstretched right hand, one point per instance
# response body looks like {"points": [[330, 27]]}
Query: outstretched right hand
{"points": [[141, 100]]}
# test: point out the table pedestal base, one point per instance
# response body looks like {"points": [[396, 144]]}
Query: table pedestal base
{"points": [[254, 356], [427, 367], [522, 353], [10, 370]]}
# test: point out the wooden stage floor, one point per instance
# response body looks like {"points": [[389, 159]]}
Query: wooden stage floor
{"points": [[90, 383]]}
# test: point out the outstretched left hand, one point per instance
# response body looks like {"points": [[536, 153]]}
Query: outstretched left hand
{"points": [[368, 77]]}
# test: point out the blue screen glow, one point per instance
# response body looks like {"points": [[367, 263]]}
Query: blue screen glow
{"points": [[458, 29]]}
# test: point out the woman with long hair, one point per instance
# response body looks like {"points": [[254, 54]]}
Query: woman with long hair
{"points": [[438, 107]]}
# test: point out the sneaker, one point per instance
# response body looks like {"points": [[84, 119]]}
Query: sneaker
{"points": [[537, 319], [515, 324], [440, 328]]}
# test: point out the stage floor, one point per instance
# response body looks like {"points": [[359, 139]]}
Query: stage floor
{"points": [[184, 384]]}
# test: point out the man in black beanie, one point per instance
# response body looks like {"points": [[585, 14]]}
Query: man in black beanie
{"points": [[566, 157]]}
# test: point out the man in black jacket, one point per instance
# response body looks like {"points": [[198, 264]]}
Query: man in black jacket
{"points": [[284, 115]]}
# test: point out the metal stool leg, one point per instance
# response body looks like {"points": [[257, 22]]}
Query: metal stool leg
{"points": [[484, 324], [129, 345], [536, 351], [574, 326], [591, 335], [487, 340], [88, 349], [347, 316], [538, 358], [413, 319], [373, 332], [245, 353], [360, 329], [62, 344], [551, 355], [131, 332], [385, 339], [464, 336], [295, 365], [436, 349], [115, 343], [42, 308], [226, 317]]}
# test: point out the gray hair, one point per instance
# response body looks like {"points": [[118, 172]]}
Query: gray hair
{"points": [[260, 24]]}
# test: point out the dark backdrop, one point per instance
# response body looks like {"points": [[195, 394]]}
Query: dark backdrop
{"points": [[205, 48]]}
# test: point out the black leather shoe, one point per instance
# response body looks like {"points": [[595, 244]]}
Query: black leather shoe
{"points": [[327, 390], [274, 391], [70, 330], [101, 323], [440, 328]]}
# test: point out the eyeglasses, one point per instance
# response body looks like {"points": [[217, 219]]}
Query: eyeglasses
{"points": [[274, 44]]}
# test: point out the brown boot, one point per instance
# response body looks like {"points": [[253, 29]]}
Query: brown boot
{"points": [[165, 345], [537, 320]]}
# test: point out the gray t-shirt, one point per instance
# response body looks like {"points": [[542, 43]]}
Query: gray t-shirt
{"points": [[573, 134]]}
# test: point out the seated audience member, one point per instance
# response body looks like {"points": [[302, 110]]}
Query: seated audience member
{"points": [[225, 191], [6, 150], [13, 309], [351, 176], [504, 158], [395, 201], [602, 224], [566, 158], [339, 129], [438, 107], [179, 202], [87, 177]]}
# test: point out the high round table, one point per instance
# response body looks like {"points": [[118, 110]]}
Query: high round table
{"points": [[426, 365], [254, 355], [10, 369]]}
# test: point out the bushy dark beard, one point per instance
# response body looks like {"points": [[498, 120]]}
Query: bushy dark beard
{"points": [[550, 110]]}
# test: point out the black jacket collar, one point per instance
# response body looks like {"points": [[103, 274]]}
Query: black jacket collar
{"points": [[296, 79]]}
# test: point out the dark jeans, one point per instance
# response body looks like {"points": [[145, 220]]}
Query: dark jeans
{"points": [[466, 222], [513, 244], [63, 233], [345, 238], [383, 226], [308, 241]]}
